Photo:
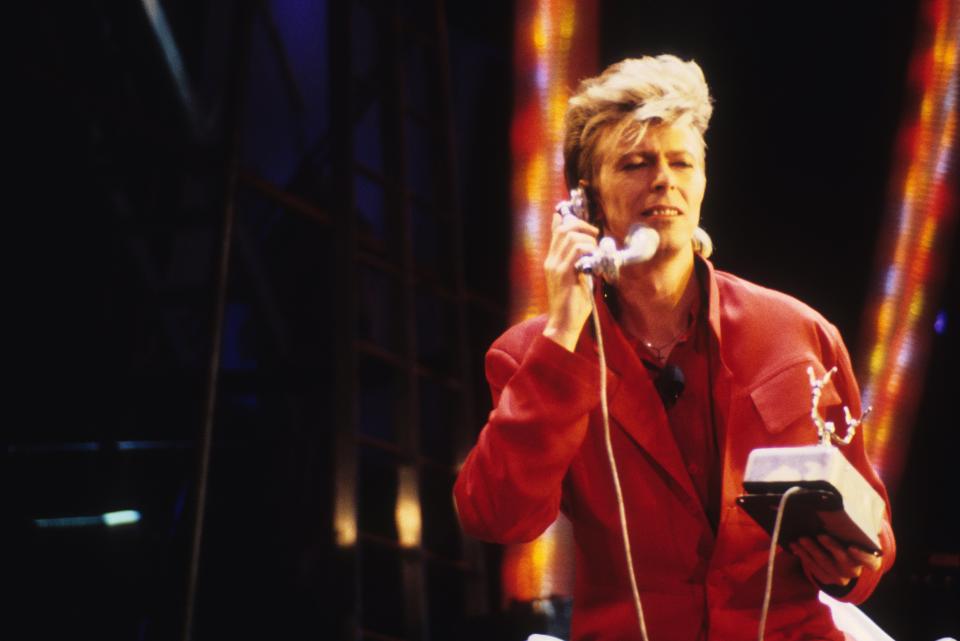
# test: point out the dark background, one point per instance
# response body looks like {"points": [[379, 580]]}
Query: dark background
{"points": [[355, 160]]}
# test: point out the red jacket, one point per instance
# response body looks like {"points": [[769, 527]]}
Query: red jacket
{"points": [[543, 450]]}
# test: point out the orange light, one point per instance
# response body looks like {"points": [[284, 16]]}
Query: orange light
{"points": [[922, 223], [555, 48], [407, 511]]}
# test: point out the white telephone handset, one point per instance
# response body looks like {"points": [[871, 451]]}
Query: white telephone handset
{"points": [[576, 206], [640, 244]]}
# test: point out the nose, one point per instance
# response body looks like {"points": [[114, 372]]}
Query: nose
{"points": [[662, 178]]}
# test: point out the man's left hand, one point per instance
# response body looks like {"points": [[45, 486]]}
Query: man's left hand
{"points": [[829, 562]]}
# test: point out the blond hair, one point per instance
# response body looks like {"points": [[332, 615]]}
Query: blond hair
{"points": [[624, 100]]}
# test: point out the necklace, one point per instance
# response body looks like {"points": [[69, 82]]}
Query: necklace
{"points": [[613, 302], [659, 351]]}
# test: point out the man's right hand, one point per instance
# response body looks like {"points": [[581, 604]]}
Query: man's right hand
{"points": [[567, 294]]}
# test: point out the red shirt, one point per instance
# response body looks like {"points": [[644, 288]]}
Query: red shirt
{"points": [[692, 416]]}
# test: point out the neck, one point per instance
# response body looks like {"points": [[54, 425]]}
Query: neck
{"points": [[656, 297]]}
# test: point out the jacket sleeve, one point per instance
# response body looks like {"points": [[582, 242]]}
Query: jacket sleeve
{"points": [[846, 385], [509, 488]]}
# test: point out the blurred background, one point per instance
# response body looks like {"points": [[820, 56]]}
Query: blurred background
{"points": [[260, 248]]}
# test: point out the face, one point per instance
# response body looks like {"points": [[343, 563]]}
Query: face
{"points": [[658, 181]]}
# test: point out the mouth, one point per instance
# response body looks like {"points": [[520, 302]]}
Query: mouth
{"points": [[661, 211]]}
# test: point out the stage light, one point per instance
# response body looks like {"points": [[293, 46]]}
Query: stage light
{"points": [[920, 227], [123, 517], [345, 522], [407, 512], [940, 322], [110, 519], [555, 46]]}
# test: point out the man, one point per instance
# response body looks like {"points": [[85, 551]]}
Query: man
{"points": [[634, 144]]}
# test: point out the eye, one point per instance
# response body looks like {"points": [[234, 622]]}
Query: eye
{"points": [[682, 164], [637, 164]]}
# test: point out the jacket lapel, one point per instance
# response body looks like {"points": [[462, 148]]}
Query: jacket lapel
{"points": [[635, 406], [723, 390]]}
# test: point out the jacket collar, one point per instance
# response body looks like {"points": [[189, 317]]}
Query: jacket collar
{"points": [[705, 268], [621, 356]]}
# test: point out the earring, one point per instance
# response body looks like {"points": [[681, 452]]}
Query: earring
{"points": [[702, 243]]}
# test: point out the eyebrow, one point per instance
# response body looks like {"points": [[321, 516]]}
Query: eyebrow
{"points": [[651, 154]]}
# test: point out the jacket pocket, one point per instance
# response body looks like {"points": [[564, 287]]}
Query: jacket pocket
{"points": [[785, 397]]}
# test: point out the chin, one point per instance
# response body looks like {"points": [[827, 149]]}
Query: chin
{"points": [[674, 247]]}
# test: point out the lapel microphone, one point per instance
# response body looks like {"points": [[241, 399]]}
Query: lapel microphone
{"points": [[669, 382]]}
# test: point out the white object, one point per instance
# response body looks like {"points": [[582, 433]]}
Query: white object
{"points": [[640, 245], [850, 619], [776, 468], [846, 616]]}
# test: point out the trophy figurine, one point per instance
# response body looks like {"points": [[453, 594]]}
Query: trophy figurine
{"points": [[834, 497]]}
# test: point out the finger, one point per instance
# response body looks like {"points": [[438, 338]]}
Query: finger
{"points": [[827, 566], [572, 223], [561, 261], [837, 551], [572, 253], [571, 227], [556, 221], [816, 551], [846, 564], [810, 565], [575, 244], [577, 235], [559, 231], [863, 557]]}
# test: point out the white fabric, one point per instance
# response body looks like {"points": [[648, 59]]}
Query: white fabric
{"points": [[846, 616], [850, 619]]}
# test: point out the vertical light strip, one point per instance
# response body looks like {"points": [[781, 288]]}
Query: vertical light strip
{"points": [[407, 512], [919, 230], [555, 47]]}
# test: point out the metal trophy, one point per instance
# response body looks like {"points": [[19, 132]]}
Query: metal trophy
{"points": [[834, 498]]}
